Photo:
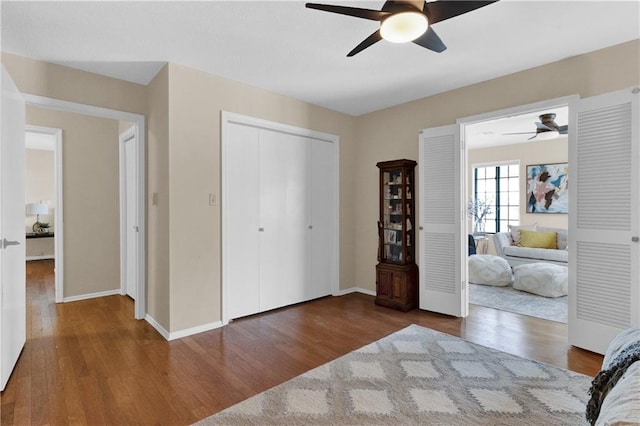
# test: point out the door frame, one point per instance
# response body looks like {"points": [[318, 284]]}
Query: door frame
{"points": [[140, 130], [58, 219], [493, 115], [123, 137]]}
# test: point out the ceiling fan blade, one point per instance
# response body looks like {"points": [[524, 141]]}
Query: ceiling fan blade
{"points": [[444, 9], [519, 133], [398, 5], [374, 15], [431, 41], [563, 130], [532, 137], [372, 39]]}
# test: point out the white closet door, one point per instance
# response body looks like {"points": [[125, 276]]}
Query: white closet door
{"points": [[242, 192], [441, 287], [322, 222], [604, 218], [284, 219]]}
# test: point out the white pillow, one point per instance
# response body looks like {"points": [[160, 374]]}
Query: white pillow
{"points": [[515, 235]]}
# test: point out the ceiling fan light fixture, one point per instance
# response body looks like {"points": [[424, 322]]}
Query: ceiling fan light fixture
{"points": [[550, 134], [404, 27]]}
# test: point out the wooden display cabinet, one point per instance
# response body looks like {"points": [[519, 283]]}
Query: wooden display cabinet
{"points": [[397, 272]]}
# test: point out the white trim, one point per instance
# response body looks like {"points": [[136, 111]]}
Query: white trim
{"points": [[92, 295], [233, 118], [155, 324], [58, 219], [140, 129], [194, 330], [45, 257], [125, 136], [354, 290]]}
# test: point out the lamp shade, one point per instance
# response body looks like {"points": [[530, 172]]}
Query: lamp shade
{"points": [[37, 208]]}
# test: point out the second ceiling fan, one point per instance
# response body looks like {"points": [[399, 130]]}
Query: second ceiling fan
{"points": [[546, 128], [402, 21]]}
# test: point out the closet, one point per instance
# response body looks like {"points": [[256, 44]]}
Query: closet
{"points": [[279, 215]]}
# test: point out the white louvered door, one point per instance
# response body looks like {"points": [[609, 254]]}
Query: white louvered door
{"points": [[604, 218], [441, 287]]}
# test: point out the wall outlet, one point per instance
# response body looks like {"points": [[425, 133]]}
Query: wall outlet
{"points": [[212, 199]]}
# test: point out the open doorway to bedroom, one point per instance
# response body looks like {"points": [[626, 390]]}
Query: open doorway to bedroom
{"points": [[517, 204]]}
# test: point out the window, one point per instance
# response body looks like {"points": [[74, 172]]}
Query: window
{"points": [[499, 186]]}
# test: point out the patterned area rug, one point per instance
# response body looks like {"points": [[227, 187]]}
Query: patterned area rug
{"points": [[420, 376], [520, 302]]}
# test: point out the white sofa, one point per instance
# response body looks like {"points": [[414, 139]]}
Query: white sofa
{"points": [[505, 247]]}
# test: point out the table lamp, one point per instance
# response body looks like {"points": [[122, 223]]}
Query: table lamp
{"points": [[37, 209]]}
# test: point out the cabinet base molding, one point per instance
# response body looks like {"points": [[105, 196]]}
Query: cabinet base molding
{"points": [[397, 286]]}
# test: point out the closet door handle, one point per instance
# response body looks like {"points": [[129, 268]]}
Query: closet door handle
{"points": [[635, 239], [260, 229], [310, 226]]}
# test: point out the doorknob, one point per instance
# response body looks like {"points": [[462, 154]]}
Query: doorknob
{"points": [[635, 239], [6, 243]]}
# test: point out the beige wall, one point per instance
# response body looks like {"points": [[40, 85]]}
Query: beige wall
{"points": [[58, 82], [91, 200], [158, 243], [40, 184], [196, 100], [393, 133], [540, 152]]}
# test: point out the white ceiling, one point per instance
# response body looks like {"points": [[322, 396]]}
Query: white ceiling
{"points": [[286, 48]]}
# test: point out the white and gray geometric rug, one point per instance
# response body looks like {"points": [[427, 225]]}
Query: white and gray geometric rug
{"points": [[418, 376], [520, 302]]}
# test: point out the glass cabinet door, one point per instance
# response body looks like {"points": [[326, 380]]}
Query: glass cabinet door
{"points": [[392, 206]]}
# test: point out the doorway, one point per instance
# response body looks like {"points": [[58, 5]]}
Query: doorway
{"points": [[137, 170], [502, 152], [44, 191]]}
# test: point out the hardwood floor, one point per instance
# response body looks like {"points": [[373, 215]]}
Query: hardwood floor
{"points": [[90, 362]]}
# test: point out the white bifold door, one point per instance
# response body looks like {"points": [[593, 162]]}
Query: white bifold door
{"points": [[604, 218], [12, 233], [278, 217], [442, 274]]}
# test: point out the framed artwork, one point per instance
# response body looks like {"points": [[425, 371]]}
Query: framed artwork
{"points": [[548, 188]]}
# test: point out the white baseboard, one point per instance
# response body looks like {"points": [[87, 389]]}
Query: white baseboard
{"points": [[155, 324], [194, 330], [45, 257], [182, 333], [91, 295], [355, 290]]}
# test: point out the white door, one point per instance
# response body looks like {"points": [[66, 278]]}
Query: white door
{"points": [[284, 239], [241, 186], [604, 218], [442, 288], [322, 229], [131, 215], [12, 236]]}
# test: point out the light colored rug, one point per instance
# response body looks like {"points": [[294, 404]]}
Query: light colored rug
{"points": [[419, 376], [520, 302]]}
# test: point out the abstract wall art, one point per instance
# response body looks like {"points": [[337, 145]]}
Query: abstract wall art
{"points": [[548, 188]]}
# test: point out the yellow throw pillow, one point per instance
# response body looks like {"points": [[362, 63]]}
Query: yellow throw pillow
{"points": [[533, 239]]}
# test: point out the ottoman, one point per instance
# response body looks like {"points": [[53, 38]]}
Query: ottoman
{"points": [[489, 270], [543, 279]]}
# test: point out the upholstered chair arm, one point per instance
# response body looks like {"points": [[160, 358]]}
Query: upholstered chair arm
{"points": [[501, 240]]}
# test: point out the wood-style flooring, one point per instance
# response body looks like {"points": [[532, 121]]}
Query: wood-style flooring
{"points": [[90, 362]]}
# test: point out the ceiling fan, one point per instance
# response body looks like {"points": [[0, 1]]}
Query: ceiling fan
{"points": [[402, 21], [546, 128]]}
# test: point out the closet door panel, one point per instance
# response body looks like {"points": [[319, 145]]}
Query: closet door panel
{"points": [[322, 221], [243, 242], [283, 209]]}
